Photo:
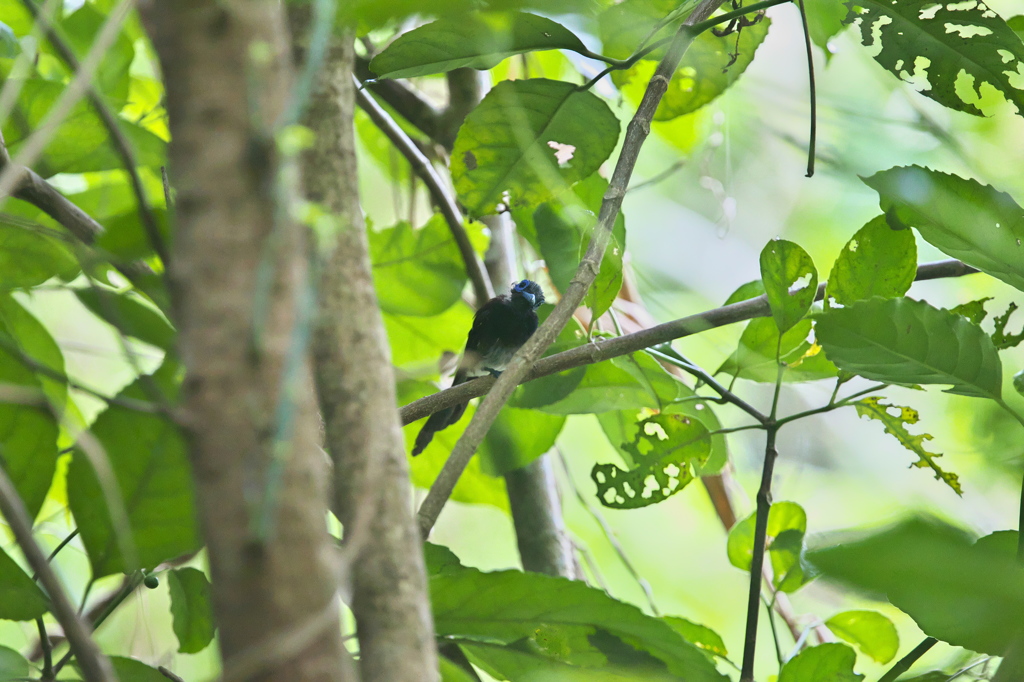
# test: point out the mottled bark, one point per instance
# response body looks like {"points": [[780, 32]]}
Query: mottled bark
{"points": [[227, 72], [356, 388]]}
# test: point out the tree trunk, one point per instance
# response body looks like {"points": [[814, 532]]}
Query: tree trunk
{"points": [[227, 70], [356, 388]]}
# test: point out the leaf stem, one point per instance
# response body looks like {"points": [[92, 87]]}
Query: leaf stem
{"points": [[677, 360], [903, 665], [845, 402]]}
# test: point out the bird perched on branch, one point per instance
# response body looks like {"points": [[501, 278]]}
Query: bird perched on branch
{"points": [[500, 327]]}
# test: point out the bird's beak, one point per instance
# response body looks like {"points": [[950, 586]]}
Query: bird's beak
{"points": [[530, 297]]}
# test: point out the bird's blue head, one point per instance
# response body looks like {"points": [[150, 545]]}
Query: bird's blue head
{"points": [[529, 291]]}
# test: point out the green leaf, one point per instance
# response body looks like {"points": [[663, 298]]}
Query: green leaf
{"points": [[823, 663], [515, 137], [956, 41], [418, 342], [13, 665], [877, 261], [563, 231], [699, 635], [973, 310], [561, 620], [112, 77], [28, 433], [873, 408], [790, 281], [477, 40], [146, 455], [903, 341], [603, 387], [709, 67], [870, 631], [191, 609], [418, 271], [1016, 24], [9, 46], [665, 451], [824, 21], [787, 525], [130, 670], [126, 238], [20, 597], [963, 218], [1000, 337], [129, 315], [965, 594], [516, 438], [754, 358], [451, 672], [31, 256]]}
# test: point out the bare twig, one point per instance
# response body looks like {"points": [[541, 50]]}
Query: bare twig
{"points": [[605, 349], [117, 136], [442, 197], [636, 133], [95, 666], [812, 142]]}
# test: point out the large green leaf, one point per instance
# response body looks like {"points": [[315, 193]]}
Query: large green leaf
{"points": [[877, 261], [964, 593], [112, 77], [979, 225], [129, 315], [28, 433], [191, 609], [145, 456], [131, 670], [665, 452], [518, 437], [478, 40], [824, 21], [563, 231], [754, 357], [823, 663], [870, 631], [30, 256], [530, 662], [709, 67], [126, 238], [933, 45], [418, 342], [517, 140], [787, 525], [565, 621], [603, 387], [20, 597], [419, 271], [790, 282], [13, 665], [903, 341]]}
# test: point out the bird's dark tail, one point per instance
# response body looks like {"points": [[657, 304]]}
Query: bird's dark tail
{"points": [[439, 420]]}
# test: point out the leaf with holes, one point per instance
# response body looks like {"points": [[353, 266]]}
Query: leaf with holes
{"points": [[477, 40], [530, 138], [933, 45], [903, 341], [973, 310], [870, 631], [963, 218], [1000, 337], [666, 450], [790, 281], [784, 541], [877, 261], [873, 408]]}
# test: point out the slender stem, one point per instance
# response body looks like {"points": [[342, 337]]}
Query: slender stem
{"points": [[727, 395], [1020, 517], [845, 402], [482, 291], [770, 607], [903, 665], [129, 585], [56, 550], [812, 143], [44, 644]]}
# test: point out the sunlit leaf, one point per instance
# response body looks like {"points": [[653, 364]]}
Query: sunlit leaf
{"points": [[877, 261], [700, 636], [518, 138], [932, 46], [477, 40], [754, 357], [790, 281], [904, 341], [824, 21], [665, 451], [895, 425], [965, 219], [966, 594], [81, 28], [787, 525], [418, 342], [191, 609], [832, 662], [870, 631], [516, 438], [129, 315], [31, 256]]}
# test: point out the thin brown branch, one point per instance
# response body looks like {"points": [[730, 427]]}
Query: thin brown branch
{"points": [[442, 197], [636, 133], [120, 142], [605, 349], [403, 99], [94, 665]]}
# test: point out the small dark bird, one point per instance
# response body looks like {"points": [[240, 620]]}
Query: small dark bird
{"points": [[500, 327]]}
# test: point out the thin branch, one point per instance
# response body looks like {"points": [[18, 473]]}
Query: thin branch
{"points": [[442, 197], [168, 674], [903, 665], [605, 349], [414, 108], [117, 136], [44, 643], [812, 143], [108, 606], [727, 395], [95, 666], [636, 133]]}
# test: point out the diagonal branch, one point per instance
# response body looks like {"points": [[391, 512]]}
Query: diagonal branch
{"points": [[636, 133], [606, 349], [442, 197]]}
